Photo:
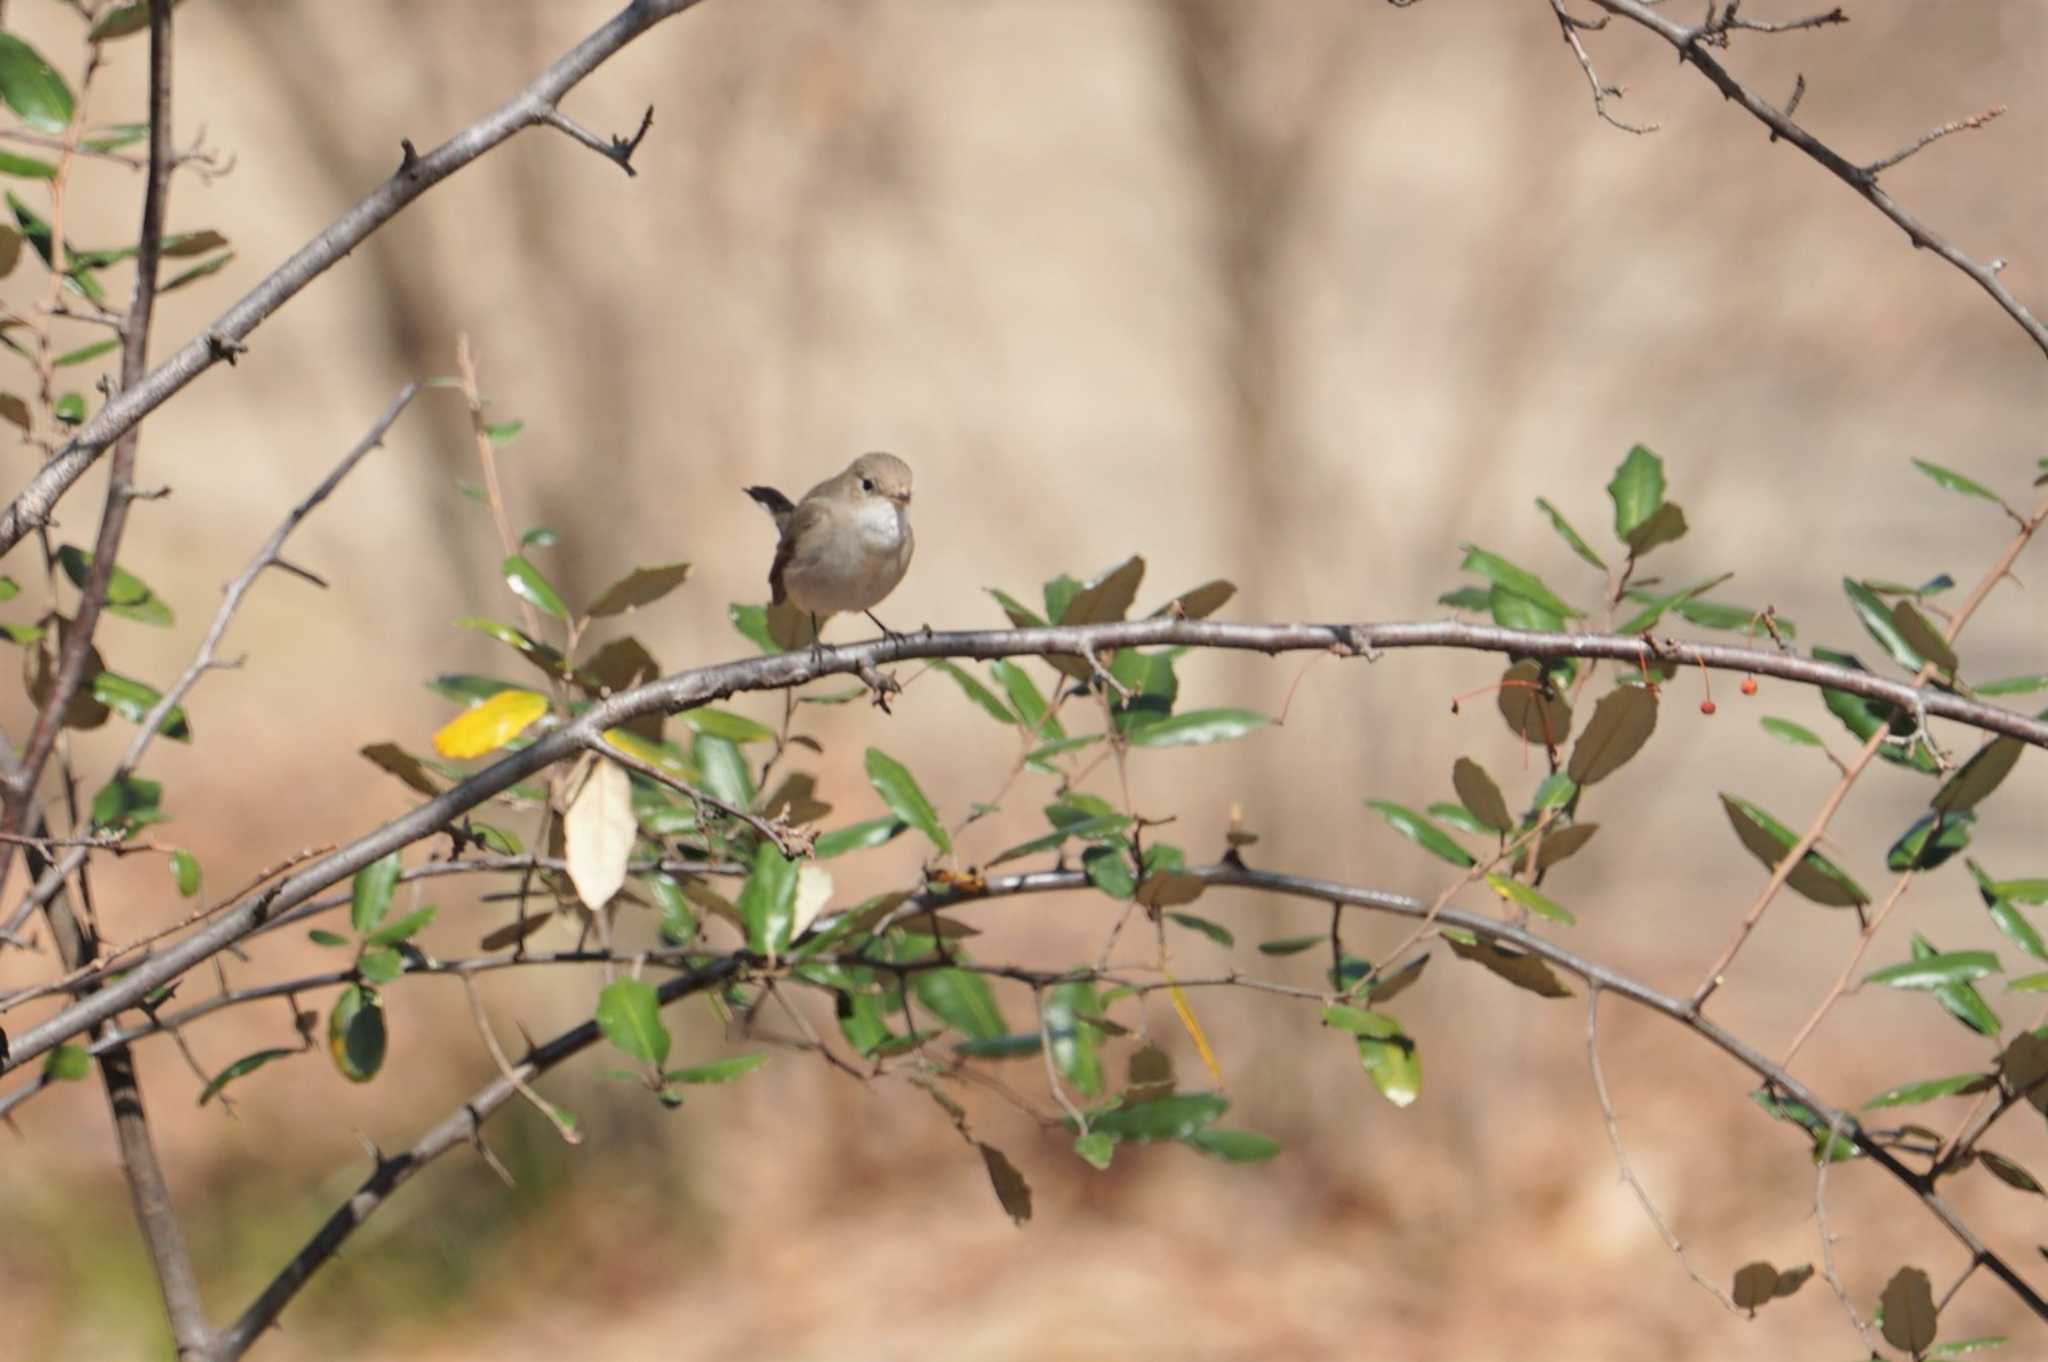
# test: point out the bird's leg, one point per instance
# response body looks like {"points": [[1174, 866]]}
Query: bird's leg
{"points": [[887, 632], [817, 643]]}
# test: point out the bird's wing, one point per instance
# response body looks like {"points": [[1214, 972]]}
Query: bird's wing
{"points": [[800, 519], [773, 502]]}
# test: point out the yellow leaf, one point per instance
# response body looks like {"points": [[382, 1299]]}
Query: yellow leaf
{"points": [[1194, 1028], [489, 725]]}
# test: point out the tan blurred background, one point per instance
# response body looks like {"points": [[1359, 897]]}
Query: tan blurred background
{"points": [[1302, 293]]}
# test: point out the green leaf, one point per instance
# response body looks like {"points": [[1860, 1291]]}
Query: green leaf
{"points": [[1637, 490], [84, 353], [1877, 621], [242, 1067], [1234, 1146], [1815, 877], [1721, 615], [1390, 1057], [767, 902], [1019, 1046], [1986, 769], [1198, 726], [1075, 1043], [1106, 599], [1457, 816], [1109, 870], [1292, 945], [32, 88], [29, 168], [1864, 717], [1646, 618], [370, 893], [1932, 839], [196, 273], [70, 409], [1514, 891], [1622, 722], [1096, 1148], [1795, 735], [2015, 685], [1934, 971], [68, 1063], [118, 21], [1666, 523], [2033, 891], [1215, 931], [900, 791], [504, 432], [356, 1037], [1569, 535], [1908, 1313], [1523, 971], [128, 802], [1518, 581], [1480, 795], [1177, 1117], [1200, 602], [857, 837], [127, 595], [961, 999], [718, 1070], [641, 586], [981, 695], [1911, 1094], [545, 656], [723, 723], [1963, 1346], [320, 936], [1534, 709], [1421, 831], [724, 769], [530, 586], [469, 691], [379, 965], [185, 873], [404, 929], [1956, 482], [1026, 698], [752, 623], [1476, 598], [1021, 615], [629, 1014]]}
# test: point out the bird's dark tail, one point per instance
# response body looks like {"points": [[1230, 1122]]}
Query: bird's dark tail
{"points": [[773, 502]]}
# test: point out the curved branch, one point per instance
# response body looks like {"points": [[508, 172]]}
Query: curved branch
{"points": [[464, 1125], [1690, 43], [416, 174], [687, 690]]}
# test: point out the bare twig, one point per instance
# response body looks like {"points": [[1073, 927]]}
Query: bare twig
{"points": [[1692, 43], [1602, 91], [563, 1127], [226, 335]]}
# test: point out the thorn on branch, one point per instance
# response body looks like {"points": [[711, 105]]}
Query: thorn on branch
{"points": [[222, 346], [408, 156], [295, 570]]}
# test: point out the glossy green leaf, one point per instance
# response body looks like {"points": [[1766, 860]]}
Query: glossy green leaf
{"points": [[128, 802], [1911, 1094], [32, 88], [370, 893], [1637, 490], [857, 836], [1421, 831], [1647, 618], [1570, 535], [402, 929], [1877, 621], [641, 586], [127, 595], [900, 791], [70, 410], [1956, 482], [1475, 598], [467, 690], [84, 353], [1021, 615], [723, 769], [961, 999], [1722, 615], [1109, 869], [196, 273], [2013, 924], [724, 723], [629, 1014], [2015, 685], [2032, 890], [1521, 582], [119, 20], [1795, 735], [1198, 726], [241, 1068], [1665, 525], [529, 585], [1523, 971], [1459, 817], [1096, 1148], [545, 656], [1293, 945], [767, 902], [1234, 1146], [1215, 931], [1390, 1057], [1557, 791], [356, 1035], [1932, 839], [379, 965], [30, 168], [1020, 1046], [981, 695], [1815, 877], [1864, 717], [1176, 1117], [1933, 971], [1986, 769], [320, 936], [752, 623]]}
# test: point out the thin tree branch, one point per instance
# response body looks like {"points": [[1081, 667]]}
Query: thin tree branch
{"points": [[1691, 44], [225, 337], [704, 685]]}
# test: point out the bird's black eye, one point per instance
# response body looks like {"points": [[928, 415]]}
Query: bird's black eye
{"points": [[867, 484]]}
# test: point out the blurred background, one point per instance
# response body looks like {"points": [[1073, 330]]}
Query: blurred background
{"points": [[1303, 294]]}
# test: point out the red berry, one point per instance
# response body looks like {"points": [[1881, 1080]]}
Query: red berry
{"points": [[1749, 685], [1706, 706]]}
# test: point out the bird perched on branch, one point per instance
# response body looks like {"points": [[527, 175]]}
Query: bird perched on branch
{"points": [[847, 544]]}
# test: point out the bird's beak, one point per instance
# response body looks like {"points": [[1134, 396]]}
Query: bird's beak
{"points": [[901, 498]]}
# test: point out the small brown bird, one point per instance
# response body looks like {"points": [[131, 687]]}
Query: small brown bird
{"points": [[847, 544]]}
